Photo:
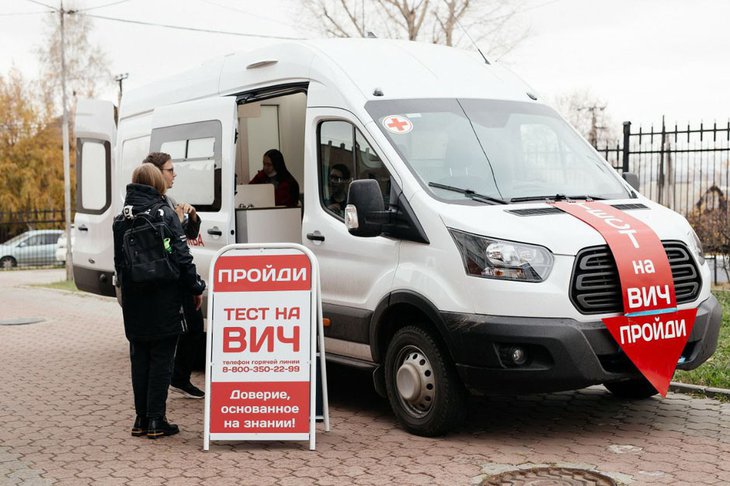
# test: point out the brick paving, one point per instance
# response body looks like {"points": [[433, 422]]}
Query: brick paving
{"points": [[66, 411]]}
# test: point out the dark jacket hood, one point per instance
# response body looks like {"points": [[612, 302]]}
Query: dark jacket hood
{"points": [[141, 196]]}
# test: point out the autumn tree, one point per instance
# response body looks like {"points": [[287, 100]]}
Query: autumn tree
{"points": [[87, 70], [30, 150], [436, 21]]}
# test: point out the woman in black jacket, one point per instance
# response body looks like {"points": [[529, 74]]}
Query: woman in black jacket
{"points": [[152, 311], [189, 349]]}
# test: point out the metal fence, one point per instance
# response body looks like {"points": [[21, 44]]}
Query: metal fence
{"points": [[685, 169], [31, 238], [681, 168]]}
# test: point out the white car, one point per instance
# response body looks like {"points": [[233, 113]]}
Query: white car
{"points": [[34, 247], [61, 246]]}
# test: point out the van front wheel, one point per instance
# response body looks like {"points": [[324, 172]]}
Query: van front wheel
{"points": [[423, 388]]}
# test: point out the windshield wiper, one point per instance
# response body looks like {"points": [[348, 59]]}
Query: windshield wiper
{"points": [[468, 193], [554, 198]]}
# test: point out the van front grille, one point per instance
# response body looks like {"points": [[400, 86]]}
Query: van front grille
{"points": [[595, 287]]}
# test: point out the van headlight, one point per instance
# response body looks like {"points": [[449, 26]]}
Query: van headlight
{"points": [[508, 260], [696, 246]]}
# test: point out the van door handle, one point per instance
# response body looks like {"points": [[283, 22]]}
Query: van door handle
{"points": [[215, 231], [316, 236], [83, 228]]}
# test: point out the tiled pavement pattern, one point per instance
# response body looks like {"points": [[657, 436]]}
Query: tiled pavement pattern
{"points": [[66, 410]]}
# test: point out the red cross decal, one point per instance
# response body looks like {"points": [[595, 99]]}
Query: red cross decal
{"points": [[397, 124]]}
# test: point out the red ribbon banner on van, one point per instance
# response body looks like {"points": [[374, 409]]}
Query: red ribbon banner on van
{"points": [[652, 332]]}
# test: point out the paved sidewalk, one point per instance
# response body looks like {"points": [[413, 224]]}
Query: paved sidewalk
{"points": [[66, 412]]}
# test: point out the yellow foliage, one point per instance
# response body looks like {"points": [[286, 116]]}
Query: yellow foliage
{"points": [[31, 157]]}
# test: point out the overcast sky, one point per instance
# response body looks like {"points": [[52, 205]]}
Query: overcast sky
{"points": [[644, 58]]}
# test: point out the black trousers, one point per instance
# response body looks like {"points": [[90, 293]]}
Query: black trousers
{"points": [[188, 346], [151, 371]]}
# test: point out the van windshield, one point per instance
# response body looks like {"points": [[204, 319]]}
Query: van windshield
{"points": [[508, 150]]}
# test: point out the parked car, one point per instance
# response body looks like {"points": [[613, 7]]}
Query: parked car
{"points": [[35, 247], [61, 246]]}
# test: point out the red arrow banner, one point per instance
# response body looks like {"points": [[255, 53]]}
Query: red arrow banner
{"points": [[652, 332]]}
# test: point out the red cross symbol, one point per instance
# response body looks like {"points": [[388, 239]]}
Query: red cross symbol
{"points": [[397, 124]]}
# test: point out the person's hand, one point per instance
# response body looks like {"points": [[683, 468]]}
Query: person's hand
{"points": [[180, 213], [185, 208], [193, 213], [198, 300]]}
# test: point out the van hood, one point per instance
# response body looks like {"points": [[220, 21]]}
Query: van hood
{"points": [[562, 233]]}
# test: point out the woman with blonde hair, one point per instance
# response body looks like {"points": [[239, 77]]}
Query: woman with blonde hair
{"points": [[188, 345], [152, 310]]}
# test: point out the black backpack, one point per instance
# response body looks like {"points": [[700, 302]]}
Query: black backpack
{"points": [[147, 245]]}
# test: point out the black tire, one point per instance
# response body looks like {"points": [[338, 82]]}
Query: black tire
{"points": [[7, 262], [636, 389], [431, 399]]}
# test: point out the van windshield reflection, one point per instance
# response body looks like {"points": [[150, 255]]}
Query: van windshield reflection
{"points": [[500, 150]]}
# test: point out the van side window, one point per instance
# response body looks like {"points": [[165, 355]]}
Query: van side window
{"points": [[93, 172], [196, 151], [345, 155], [370, 166]]}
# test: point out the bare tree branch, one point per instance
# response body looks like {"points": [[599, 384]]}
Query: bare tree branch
{"points": [[353, 18], [335, 30], [392, 10], [436, 21]]}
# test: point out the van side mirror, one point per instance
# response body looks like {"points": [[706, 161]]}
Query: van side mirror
{"points": [[632, 179], [365, 207]]}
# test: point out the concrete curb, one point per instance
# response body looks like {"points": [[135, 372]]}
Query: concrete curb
{"points": [[705, 390]]}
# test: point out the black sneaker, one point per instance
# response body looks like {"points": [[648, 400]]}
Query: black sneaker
{"points": [[159, 427], [188, 390], [140, 427]]}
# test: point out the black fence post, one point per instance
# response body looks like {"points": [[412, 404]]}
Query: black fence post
{"points": [[662, 169], [625, 148]]}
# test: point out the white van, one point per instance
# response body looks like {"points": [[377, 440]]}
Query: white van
{"points": [[459, 155]]}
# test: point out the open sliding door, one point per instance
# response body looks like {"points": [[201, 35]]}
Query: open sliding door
{"points": [[201, 138]]}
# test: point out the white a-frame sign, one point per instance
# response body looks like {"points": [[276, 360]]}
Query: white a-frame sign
{"points": [[264, 337]]}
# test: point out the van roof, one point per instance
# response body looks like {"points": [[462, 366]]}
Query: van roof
{"points": [[354, 67]]}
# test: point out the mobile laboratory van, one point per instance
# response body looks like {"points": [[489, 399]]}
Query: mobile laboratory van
{"points": [[456, 274]]}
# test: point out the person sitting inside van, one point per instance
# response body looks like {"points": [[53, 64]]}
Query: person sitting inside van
{"points": [[339, 180], [286, 188]]}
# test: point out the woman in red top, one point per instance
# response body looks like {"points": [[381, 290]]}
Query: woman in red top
{"points": [[286, 188]]}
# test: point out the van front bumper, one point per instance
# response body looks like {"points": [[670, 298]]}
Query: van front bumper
{"points": [[562, 354]]}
